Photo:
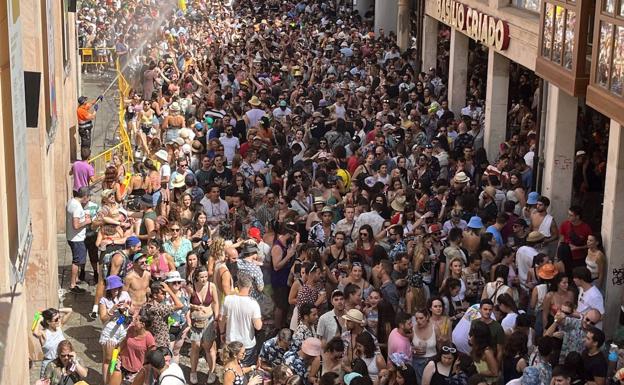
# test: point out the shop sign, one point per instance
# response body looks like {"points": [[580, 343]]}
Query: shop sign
{"points": [[481, 27]]}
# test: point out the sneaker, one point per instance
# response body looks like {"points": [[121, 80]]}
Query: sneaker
{"points": [[194, 378], [77, 290], [93, 316], [212, 378]]}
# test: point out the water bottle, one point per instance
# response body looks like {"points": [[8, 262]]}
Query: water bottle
{"points": [[613, 359]]}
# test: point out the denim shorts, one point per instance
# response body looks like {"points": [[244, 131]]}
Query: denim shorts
{"points": [[79, 252]]}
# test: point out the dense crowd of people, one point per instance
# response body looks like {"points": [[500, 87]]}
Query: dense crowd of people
{"points": [[304, 208]]}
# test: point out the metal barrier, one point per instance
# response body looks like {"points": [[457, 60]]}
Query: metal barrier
{"points": [[89, 55], [124, 148]]}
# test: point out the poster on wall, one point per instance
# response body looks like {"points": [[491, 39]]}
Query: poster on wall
{"points": [[18, 103], [51, 108]]}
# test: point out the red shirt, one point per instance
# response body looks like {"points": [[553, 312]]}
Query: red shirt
{"points": [[132, 354], [575, 235], [352, 163]]}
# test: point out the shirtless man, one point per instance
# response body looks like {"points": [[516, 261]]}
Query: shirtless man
{"points": [[117, 266], [222, 277], [138, 280], [545, 223]]}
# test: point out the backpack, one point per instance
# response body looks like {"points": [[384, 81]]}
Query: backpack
{"points": [[108, 258]]}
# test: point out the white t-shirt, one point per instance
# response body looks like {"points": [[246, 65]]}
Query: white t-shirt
{"points": [[75, 210], [229, 147], [590, 299], [240, 311], [108, 303], [461, 330], [524, 261], [173, 375], [165, 170], [509, 322], [327, 326]]}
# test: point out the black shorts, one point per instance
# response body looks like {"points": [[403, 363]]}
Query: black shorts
{"points": [[79, 252], [280, 297], [175, 332]]}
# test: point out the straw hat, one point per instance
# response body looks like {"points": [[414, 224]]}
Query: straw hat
{"points": [[461, 177], [197, 147], [175, 106], [490, 190], [162, 155], [107, 193], [174, 276], [178, 181], [327, 209], [254, 101], [319, 200], [185, 133], [354, 315], [535, 236], [398, 204]]}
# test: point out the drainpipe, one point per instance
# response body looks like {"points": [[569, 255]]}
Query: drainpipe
{"points": [[538, 160]]}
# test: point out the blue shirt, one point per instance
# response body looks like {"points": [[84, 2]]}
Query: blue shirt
{"points": [[497, 235]]}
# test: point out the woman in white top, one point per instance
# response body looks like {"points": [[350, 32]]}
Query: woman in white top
{"points": [[113, 309], [516, 192], [509, 312], [49, 332], [366, 350], [596, 260], [423, 341], [499, 286]]}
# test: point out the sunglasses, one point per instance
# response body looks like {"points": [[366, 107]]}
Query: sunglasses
{"points": [[590, 321], [65, 355], [175, 229], [298, 176], [364, 234], [448, 349]]}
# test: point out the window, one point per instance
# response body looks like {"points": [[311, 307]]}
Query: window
{"points": [[609, 68], [65, 32], [559, 27], [529, 5]]}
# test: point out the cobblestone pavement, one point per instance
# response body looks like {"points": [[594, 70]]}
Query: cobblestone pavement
{"points": [[83, 332]]}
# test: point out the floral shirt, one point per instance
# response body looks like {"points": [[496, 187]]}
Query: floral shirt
{"points": [[252, 270], [272, 353], [397, 249], [293, 361], [159, 313], [317, 236], [544, 368], [572, 337], [301, 333]]}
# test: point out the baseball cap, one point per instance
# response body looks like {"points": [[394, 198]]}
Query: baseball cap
{"points": [[254, 233]]}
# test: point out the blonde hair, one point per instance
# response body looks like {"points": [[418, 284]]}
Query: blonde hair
{"points": [[230, 351], [217, 249]]}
